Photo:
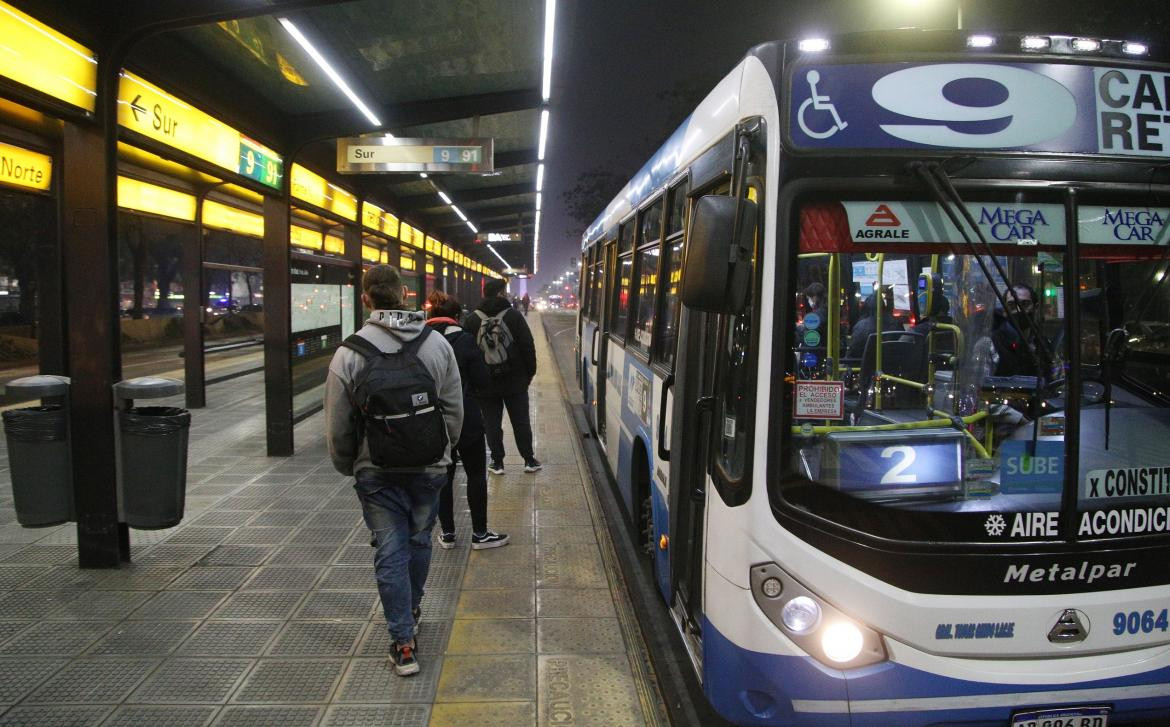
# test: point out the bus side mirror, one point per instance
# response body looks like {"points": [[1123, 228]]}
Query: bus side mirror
{"points": [[717, 268]]}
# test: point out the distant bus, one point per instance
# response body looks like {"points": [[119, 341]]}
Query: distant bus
{"points": [[877, 347]]}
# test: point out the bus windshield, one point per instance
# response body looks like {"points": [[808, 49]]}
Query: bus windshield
{"points": [[927, 377]]}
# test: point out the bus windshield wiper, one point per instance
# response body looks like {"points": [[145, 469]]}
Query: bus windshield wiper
{"points": [[935, 178]]}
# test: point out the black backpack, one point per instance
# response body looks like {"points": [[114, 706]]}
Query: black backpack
{"points": [[399, 405]]}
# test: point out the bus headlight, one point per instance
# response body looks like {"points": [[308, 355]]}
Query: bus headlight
{"points": [[820, 629], [842, 641], [801, 615]]}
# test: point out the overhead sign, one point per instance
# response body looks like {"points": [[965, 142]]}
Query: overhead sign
{"points": [[24, 168], [373, 154], [154, 113], [1049, 107], [39, 57], [496, 237]]}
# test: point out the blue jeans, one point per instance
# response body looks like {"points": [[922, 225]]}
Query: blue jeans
{"points": [[400, 510]]}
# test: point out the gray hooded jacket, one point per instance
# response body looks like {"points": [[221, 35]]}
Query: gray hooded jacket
{"points": [[388, 330]]}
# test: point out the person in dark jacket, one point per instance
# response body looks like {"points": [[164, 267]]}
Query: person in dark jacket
{"points": [[444, 312], [867, 324], [508, 389]]}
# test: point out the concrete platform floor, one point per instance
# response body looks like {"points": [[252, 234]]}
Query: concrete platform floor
{"points": [[261, 609]]}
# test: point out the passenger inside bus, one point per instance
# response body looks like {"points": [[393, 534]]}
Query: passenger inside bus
{"points": [[867, 324]]}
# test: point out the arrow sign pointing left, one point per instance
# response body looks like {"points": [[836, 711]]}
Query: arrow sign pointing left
{"points": [[136, 108]]}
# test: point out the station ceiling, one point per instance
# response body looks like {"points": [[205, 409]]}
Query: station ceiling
{"points": [[442, 70]]}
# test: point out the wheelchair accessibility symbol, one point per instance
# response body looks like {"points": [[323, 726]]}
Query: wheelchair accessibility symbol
{"points": [[822, 104]]}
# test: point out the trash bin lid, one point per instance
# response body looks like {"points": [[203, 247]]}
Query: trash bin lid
{"points": [[35, 387], [147, 387]]}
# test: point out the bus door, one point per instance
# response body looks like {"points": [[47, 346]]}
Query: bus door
{"points": [[601, 337], [690, 440]]}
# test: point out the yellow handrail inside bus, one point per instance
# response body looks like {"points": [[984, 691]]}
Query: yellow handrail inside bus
{"points": [[833, 299], [943, 421]]}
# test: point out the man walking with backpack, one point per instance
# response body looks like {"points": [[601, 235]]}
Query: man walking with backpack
{"points": [[506, 344], [393, 408]]}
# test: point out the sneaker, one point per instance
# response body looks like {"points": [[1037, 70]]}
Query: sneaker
{"points": [[496, 468], [488, 540], [532, 465], [447, 541], [403, 657]]}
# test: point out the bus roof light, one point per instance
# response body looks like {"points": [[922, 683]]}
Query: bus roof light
{"points": [[980, 41], [813, 45], [1134, 48], [1036, 42], [1086, 45]]}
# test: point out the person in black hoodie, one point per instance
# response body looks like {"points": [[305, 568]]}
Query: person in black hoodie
{"points": [[444, 312], [509, 389]]}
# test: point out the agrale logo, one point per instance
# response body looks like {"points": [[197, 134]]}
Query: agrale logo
{"points": [[882, 224]]}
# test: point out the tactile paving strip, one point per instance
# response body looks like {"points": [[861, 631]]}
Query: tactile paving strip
{"points": [[280, 517], [587, 690], [260, 604], [136, 716], [192, 681], [291, 681], [303, 555], [93, 681], [268, 717], [171, 605], [357, 605], [373, 680], [318, 536], [200, 535], [231, 638], [223, 517], [143, 637], [259, 535], [445, 576], [579, 636], [388, 715]]}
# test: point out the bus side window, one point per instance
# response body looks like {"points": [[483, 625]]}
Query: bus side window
{"points": [[621, 310], [666, 340]]}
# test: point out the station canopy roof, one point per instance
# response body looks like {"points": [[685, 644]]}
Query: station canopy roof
{"points": [[471, 68]]}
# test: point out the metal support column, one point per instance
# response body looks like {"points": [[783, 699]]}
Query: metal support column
{"points": [[278, 400], [89, 233], [194, 374], [353, 253]]}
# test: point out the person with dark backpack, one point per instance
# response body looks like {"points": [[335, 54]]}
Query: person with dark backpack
{"points": [[444, 312], [505, 343], [393, 409]]}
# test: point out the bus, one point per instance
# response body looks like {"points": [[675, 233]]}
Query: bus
{"points": [[877, 348]]}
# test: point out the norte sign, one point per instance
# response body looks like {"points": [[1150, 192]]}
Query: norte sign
{"points": [[373, 154], [148, 110]]}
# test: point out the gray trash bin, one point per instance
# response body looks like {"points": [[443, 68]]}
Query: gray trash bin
{"points": [[152, 451], [38, 452]]}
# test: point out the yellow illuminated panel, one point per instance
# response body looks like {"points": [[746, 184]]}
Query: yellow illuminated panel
{"points": [[335, 244], [390, 224], [446, 253], [371, 215], [430, 267], [150, 198], [223, 217], [304, 237], [432, 245], [152, 112], [34, 54], [371, 253], [311, 187], [24, 168], [406, 262], [385, 257]]}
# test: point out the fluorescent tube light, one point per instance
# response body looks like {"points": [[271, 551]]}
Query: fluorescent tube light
{"points": [[334, 76]]}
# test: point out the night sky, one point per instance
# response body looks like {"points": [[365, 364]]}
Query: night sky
{"points": [[624, 69]]}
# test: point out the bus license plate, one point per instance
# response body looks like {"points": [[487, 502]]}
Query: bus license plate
{"points": [[1068, 717]]}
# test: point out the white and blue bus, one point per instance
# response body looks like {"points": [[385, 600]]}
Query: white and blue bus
{"points": [[877, 347]]}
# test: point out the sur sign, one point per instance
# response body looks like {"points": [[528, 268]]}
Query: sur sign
{"points": [[372, 154], [154, 113]]}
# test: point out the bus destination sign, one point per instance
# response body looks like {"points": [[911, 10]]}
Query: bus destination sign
{"points": [[374, 154], [1045, 107]]}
